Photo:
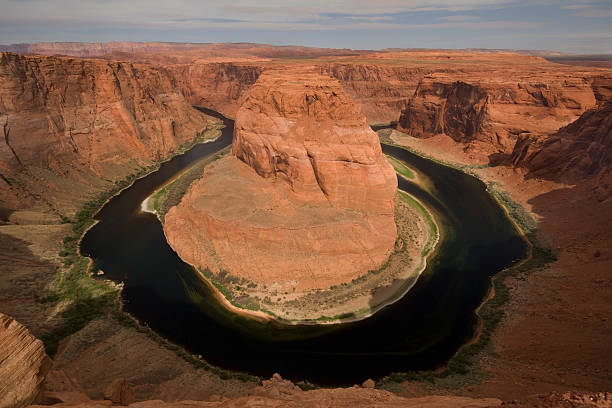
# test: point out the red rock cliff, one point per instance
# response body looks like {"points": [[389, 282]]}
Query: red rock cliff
{"points": [[218, 86], [308, 198], [583, 148], [494, 110], [380, 91], [70, 126], [308, 133]]}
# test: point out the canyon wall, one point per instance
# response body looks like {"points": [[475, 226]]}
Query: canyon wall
{"points": [[218, 86], [380, 91], [494, 110], [26, 378], [71, 127], [308, 196], [581, 149]]}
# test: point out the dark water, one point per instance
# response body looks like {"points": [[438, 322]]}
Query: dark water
{"points": [[421, 331]]}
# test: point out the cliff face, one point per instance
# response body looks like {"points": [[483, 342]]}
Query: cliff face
{"points": [[583, 148], [308, 133], [493, 110], [24, 364], [457, 109], [308, 196], [380, 91], [218, 86], [69, 127]]}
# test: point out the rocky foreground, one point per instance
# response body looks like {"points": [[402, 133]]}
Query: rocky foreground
{"points": [[23, 364], [308, 198], [26, 379]]}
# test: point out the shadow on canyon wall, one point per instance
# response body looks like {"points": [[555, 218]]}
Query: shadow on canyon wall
{"points": [[23, 283]]}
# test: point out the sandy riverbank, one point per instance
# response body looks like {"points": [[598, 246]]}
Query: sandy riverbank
{"points": [[356, 300]]}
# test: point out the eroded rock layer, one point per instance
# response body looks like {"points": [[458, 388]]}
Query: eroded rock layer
{"points": [[23, 364], [308, 198], [308, 133], [493, 110], [71, 126], [218, 86], [582, 148]]}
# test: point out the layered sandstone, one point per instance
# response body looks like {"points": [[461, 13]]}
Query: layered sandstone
{"points": [[308, 197], [494, 110], [304, 130], [71, 127], [380, 83], [218, 86], [23, 364], [380, 91], [583, 149]]}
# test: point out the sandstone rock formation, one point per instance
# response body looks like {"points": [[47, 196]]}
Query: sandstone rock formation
{"points": [[381, 84], [305, 131], [280, 393], [380, 91], [218, 86], [493, 110], [457, 109], [119, 392], [23, 364], [308, 197], [70, 126], [582, 148]]}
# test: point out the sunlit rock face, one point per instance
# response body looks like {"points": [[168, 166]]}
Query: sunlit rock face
{"points": [[24, 364], [70, 127], [305, 201]]}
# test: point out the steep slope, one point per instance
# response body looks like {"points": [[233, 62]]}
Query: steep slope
{"points": [[308, 133], [23, 364], [493, 110], [218, 86], [458, 109], [380, 91], [308, 196], [70, 127], [582, 148]]}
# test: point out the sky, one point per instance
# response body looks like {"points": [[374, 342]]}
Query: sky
{"points": [[575, 26]]}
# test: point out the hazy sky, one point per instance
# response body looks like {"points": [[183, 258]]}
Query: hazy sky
{"points": [[572, 25]]}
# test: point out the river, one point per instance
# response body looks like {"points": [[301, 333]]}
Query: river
{"points": [[420, 331]]}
